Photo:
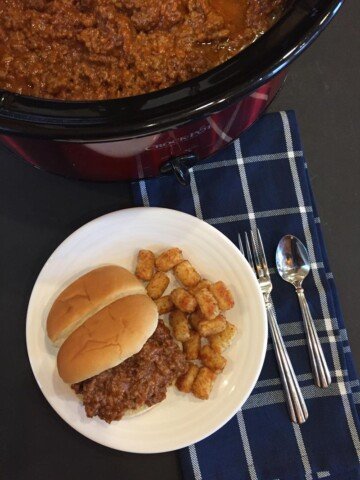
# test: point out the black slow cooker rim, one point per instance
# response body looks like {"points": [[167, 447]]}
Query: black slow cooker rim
{"points": [[166, 109]]}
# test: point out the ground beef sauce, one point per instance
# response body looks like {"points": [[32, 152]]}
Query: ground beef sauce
{"points": [[141, 380], [101, 49]]}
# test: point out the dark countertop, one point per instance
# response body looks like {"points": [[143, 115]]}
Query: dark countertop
{"points": [[323, 89]]}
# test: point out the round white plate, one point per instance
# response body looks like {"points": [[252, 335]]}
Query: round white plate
{"points": [[181, 419]]}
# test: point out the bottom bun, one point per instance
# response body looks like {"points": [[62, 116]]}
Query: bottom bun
{"points": [[138, 411]]}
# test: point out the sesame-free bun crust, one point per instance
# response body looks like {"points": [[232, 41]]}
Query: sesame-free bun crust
{"points": [[86, 296], [106, 339]]}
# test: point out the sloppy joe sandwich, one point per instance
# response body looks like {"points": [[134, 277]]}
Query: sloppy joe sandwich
{"points": [[122, 359]]}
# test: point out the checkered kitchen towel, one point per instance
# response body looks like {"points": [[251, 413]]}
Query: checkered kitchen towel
{"points": [[262, 180]]}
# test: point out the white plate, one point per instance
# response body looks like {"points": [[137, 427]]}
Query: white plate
{"points": [[181, 419]]}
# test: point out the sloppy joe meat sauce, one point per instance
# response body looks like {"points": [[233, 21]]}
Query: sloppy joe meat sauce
{"points": [[140, 380], [102, 49]]}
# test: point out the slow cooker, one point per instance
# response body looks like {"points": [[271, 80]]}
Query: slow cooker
{"points": [[167, 131]]}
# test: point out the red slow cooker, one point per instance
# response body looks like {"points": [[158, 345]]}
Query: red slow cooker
{"points": [[166, 131]]}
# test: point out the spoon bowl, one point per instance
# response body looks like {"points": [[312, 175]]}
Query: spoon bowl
{"points": [[292, 260]]}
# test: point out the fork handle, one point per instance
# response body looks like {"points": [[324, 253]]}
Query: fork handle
{"points": [[319, 366], [294, 398]]}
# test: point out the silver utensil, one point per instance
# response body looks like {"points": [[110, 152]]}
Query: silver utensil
{"points": [[293, 265], [294, 398]]}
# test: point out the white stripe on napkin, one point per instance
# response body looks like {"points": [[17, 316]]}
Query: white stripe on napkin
{"points": [[246, 444], [323, 474], [252, 159], [195, 462], [195, 195], [260, 214], [250, 209], [303, 452], [144, 194]]}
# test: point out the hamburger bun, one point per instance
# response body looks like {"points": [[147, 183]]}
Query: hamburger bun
{"points": [[86, 296], [138, 411], [106, 339]]}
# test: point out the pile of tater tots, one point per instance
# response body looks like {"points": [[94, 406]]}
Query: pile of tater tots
{"points": [[196, 315]]}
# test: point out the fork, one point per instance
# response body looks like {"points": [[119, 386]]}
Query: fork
{"points": [[257, 260]]}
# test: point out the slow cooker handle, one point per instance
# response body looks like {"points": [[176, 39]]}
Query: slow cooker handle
{"points": [[179, 166]]}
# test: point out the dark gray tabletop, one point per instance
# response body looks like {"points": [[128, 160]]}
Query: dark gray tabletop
{"points": [[38, 211]]}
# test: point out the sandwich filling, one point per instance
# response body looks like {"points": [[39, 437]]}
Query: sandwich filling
{"points": [[141, 380]]}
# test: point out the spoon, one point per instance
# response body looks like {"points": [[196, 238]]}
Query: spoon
{"points": [[293, 265]]}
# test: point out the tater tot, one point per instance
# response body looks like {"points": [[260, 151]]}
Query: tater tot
{"points": [[186, 274], [145, 265], [185, 382], [164, 304], [202, 284], [221, 341], [180, 325], [157, 285], [195, 318], [211, 327], [167, 260], [223, 295], [207, 303], [183, 300], [203, 383], [207, 327], [192, 346], [212, 359]]}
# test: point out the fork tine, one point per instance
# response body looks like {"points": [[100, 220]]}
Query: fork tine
{"points": [[241, 247], [262, 253], [256, 254], [249, 254]]}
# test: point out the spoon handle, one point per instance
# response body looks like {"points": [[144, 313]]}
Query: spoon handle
{"points": [[294, 398], [317, 357]]}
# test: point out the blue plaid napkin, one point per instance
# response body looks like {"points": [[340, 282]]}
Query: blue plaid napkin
{"points": [[262, 180]]}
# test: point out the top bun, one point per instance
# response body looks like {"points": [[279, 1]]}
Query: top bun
{"points": [[86, 296], [105, 340]]}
